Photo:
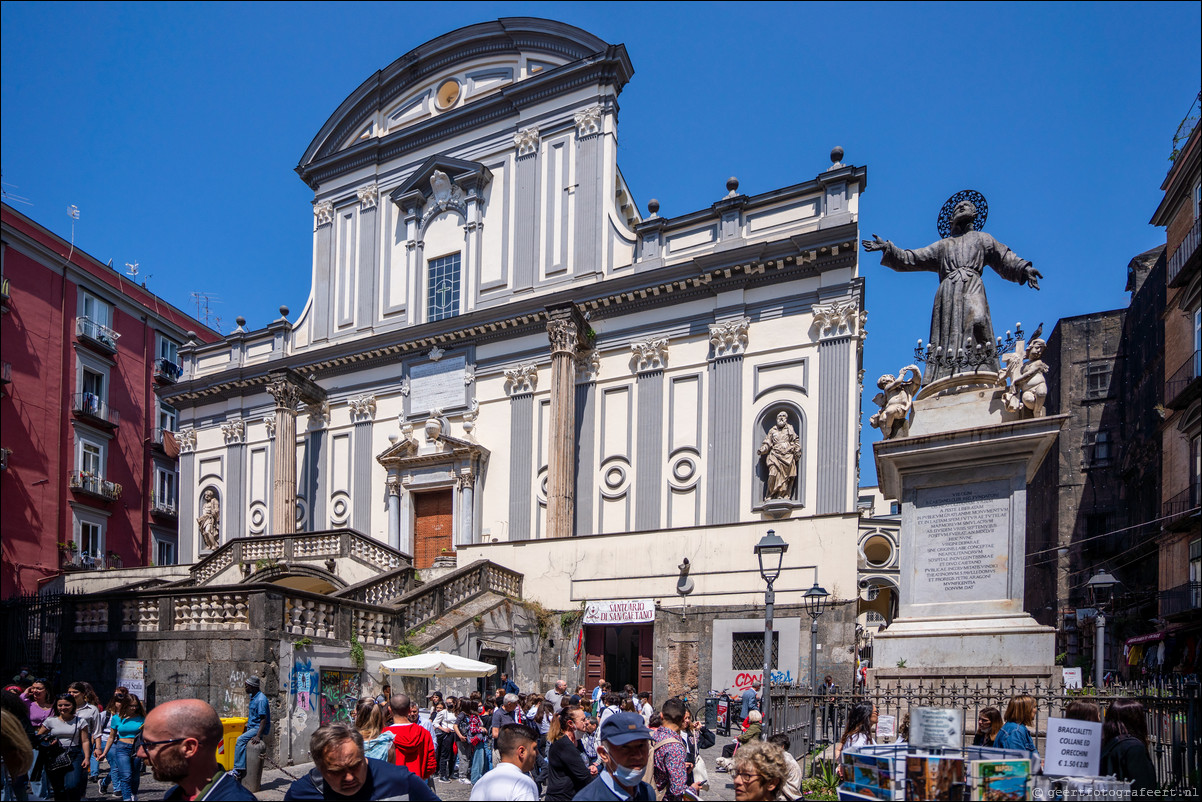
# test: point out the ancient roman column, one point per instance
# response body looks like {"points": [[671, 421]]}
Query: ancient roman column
{"points": [[564, 332], [283, 469]]}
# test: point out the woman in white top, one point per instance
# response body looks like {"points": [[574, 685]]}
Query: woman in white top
{"points": [[72, 734]]}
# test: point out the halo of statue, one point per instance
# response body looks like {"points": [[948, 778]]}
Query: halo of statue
{"points": [[946, 214]]}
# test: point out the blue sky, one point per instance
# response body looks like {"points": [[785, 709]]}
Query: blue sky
{"points": [[175, 129]]}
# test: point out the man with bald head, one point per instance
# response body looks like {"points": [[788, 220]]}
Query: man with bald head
{"points": [[179, 740]]}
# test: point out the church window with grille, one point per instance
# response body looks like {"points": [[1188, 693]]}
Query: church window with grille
{"points": [[747, 651], [442, 298]]}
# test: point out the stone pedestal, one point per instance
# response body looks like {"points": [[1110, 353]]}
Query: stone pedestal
{"points": [[961, 477]]}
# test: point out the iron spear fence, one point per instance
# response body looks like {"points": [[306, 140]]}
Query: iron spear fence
{"points": [[815, 722]]}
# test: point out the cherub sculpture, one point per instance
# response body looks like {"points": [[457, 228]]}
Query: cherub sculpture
{"points": [[895, 399], [1028, 389]]}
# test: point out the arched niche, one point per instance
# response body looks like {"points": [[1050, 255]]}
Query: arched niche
{"points": [[764, 423]]}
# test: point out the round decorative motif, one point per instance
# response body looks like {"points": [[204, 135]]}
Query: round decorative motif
{"points": [[258, 518], [448, 93], [684, 469], [945, 214], [615, 477]]}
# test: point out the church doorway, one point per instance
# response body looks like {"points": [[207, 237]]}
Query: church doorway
{"points": [[433, 518], [621, 654]]}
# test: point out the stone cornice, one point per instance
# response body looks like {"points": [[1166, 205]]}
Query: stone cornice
{"points": [[749, 266]]}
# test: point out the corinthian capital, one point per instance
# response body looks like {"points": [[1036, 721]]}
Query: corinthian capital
{"points": [[323, 213], [522, 379], [588, 122], [729, 338], [526, 141], [649, 355], [363, 408], [286, 394], [835, 319], [368, 196], [234, 431], [563, 335]]}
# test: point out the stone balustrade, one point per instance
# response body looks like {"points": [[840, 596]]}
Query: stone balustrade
{"points": [[140, 615], [453, 589], [337, 544], [382, 590], [210, 611], [92, 617]]}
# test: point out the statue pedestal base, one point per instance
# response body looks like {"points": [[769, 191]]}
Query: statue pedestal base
{"points": [[779, 507], [961, 477]]}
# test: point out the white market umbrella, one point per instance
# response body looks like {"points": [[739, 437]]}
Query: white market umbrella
{"points": [[437, 664]]}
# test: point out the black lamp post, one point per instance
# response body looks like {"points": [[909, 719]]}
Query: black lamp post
{"points": [[815, 600], [770, 552], [1100, 588]]}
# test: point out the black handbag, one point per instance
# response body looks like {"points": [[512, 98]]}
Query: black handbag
{"points": [[55, 758]]}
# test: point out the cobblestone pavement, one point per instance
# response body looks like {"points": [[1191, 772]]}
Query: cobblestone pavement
{"points": [[275, 783]]}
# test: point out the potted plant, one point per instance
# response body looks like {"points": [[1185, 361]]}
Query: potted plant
{"points": [[68, 553]]}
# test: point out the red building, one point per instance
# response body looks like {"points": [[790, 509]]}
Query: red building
{"points": [[89, 479]]}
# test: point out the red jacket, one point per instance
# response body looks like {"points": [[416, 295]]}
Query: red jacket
{"points": [[414, 749]]}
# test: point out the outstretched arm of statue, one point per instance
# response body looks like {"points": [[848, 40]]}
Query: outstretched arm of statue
{"points": [[1032, 277], [874, 244]]}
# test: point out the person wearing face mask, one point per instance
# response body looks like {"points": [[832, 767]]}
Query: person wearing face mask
{"points": [[624, 750], [567, 771]]}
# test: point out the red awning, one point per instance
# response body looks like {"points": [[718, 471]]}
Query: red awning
{"points": [[1152, 638]]}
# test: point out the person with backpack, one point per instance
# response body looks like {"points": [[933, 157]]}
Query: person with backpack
{"points": [[668, 770]]}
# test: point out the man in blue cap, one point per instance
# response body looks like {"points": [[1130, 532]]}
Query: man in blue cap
{"points": [[625, 750]]}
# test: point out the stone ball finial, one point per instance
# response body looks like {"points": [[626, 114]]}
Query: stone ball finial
{"points": [[653, 206], [283, 311], [241, 321], [836, 154], [191, 335], [732, 184], [392, 438]]}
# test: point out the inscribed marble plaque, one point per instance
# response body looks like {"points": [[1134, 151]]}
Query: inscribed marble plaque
{"points": [[961, 543], [437, 385]]}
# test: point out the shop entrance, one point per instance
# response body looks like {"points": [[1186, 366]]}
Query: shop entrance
{"points": [[622, 654]]}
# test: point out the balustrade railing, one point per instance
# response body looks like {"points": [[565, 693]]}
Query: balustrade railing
{"points": [[1179, 382], [95, 407], [167, 370], [209, 611], [306, 546], [460, 586], [382, 589]]}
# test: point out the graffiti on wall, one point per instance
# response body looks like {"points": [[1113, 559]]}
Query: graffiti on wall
{"points": [[746, 679], [339, 695], [303, 685]]}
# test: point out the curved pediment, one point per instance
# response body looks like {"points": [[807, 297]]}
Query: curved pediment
{"points": [[447, 74]]}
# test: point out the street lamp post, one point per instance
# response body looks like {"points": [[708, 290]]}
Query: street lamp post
{"points": [[770, 552], [815, 601], [1100, 587]]}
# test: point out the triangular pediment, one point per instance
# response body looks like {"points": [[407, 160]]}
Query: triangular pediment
{"points": [[466, 176], [416, 450]]}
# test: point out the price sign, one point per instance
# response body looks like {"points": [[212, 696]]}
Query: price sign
{"points": [[1074, 748], [936, 727]]}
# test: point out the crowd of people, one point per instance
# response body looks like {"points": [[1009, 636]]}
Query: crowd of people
{"points": [[604, 745]]}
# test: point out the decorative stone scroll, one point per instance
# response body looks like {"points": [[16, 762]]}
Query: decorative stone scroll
{"points": [[588, 122], [526, 141], [838, 319], [469, 418], [319, 414], [324, 213], [405, 386], [588, 365], [369, 196], [234, 431], [729, 338], [363, 408], [649, 355], [522, 379], [269, 422], [469, 374]]}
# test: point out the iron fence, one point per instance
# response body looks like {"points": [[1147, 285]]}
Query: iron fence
{"points": [[815, 722], [31, 626]]}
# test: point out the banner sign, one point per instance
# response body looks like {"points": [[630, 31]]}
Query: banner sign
{"points": [[631, 611], [1074, 748]]}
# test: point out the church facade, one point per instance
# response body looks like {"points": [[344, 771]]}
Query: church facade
{"points": [[503, 358]]}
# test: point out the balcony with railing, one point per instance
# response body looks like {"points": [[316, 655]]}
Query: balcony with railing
{"points": [[93, 407], [1181, 599], [163, 505], [167, 371], [1176, 276], [1184, 506], [90, 331], [96, 486], [1185, 384]]}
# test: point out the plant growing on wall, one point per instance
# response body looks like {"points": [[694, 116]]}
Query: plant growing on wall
{"points": [[357, 652], [301, 643], [571, 618]]}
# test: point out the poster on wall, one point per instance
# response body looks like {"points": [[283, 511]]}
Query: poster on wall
{"points": [[339, 695], [132, 674]]}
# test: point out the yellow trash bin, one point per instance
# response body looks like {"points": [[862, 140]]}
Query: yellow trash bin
{"points": [[231, 728]]}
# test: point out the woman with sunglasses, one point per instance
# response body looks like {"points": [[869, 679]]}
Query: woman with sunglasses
{"points": [[40, 705], [128, 716], [72, 734]]}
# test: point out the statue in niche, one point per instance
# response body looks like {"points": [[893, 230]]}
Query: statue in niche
{"points": [[781, 449], [1028, 389], [209, 522], [895, 400], [960, 315]]}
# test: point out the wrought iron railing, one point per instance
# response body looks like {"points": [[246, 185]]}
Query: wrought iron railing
{"points": [[95, 485], [1181, 379], [97, 333], [95, 407], [1184, 503], [167, 370], [1181, 599], [1184, 251], [163, 505]]}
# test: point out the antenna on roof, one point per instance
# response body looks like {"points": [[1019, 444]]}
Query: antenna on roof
{"points": [[204, 312], [8, 196], [132, 268], [73, 213]]}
